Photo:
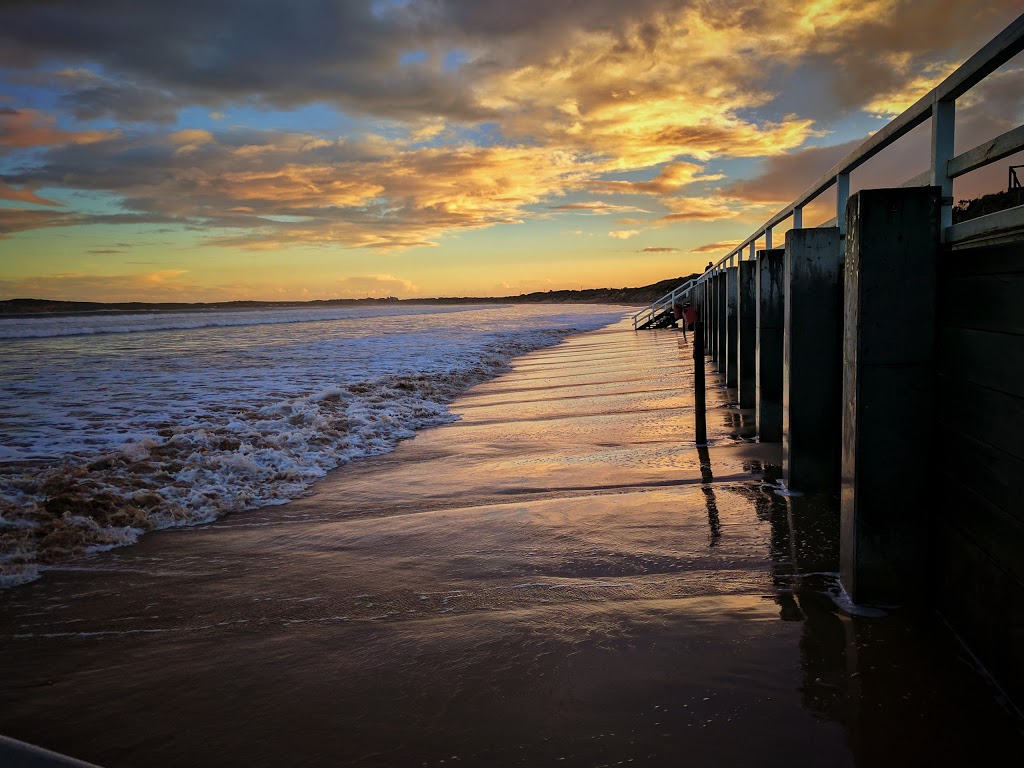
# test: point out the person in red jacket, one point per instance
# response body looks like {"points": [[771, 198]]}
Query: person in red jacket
{"points": [[677, 314], [689, 316]]}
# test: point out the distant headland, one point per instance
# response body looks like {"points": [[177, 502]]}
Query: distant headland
{"points": [[628, 296]]}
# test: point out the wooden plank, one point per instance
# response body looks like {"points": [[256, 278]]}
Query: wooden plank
{"points": [[992, 474], [984, 604], [993, 360], [982, 260], [1001, 146], [983, 302], [983, 414], [1001, 223], [997, 533]]}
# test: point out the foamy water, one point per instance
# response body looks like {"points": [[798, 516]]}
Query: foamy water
{"points": [[111, 425]]}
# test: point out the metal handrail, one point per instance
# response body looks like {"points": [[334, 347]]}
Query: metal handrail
{"points": [[939, 105], [664, 302]]}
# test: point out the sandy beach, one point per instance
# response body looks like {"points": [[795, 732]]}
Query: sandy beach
{"points": [[558, 578]]}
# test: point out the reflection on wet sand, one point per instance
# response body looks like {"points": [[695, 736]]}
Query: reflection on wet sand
{"points": [[707, 479], [545, 582]]}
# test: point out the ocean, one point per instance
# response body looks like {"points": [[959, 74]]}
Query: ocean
{"points": [[115, 424]]}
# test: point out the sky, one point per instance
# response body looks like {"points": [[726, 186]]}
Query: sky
{"points": [[213, 150]]}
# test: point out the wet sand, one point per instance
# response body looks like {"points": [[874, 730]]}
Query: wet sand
{"points": [[560, 578]]}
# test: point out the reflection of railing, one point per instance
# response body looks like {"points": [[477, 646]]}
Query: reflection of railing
{"points": [[939, 104]]}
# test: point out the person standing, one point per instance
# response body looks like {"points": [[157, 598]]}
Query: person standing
{"points": [[689, 316]]}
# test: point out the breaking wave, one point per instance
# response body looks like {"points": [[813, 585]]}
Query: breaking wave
{"points": [[210, 447], [141, 322]]}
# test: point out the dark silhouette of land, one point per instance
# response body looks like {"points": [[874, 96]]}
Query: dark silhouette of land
{"points": [[632, 296]]}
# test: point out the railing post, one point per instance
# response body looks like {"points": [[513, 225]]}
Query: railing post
{"points": [[842, 196], [943, 128], [798, 217], [768, 239]]}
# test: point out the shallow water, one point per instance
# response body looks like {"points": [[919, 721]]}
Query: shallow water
{"points": [[111, 425], [539, 583]]}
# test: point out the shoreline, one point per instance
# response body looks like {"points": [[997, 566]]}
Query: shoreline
{"points": [[640, 297], [558, 576], [124, 522]]}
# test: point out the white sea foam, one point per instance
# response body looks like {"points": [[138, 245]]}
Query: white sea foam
{"points": [[140, 322], [107, 434]]}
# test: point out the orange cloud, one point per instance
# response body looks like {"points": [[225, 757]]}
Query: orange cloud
{"points": [[23, 128], [23, 195], [670, 179], [722, 246], [711, 208]]}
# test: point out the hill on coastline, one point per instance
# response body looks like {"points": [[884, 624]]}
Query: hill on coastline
{"points": [[629, 296]]}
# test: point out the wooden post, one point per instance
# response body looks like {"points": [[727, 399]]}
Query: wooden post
{"points": [[812, 396], [699, 406]]}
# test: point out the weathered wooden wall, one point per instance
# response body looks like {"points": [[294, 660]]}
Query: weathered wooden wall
{"points": [[978, 544]]}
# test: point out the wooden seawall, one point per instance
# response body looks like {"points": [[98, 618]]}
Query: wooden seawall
{"points": [[885, 350]]}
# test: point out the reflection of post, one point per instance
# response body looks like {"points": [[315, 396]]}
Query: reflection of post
{"points": [[785, 574], [707, 479], [699, 409]]}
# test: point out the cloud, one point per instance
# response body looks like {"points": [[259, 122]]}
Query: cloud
{"points": [[106, 251], [161, 285], [376, 286], [722, 246], [993, 107], [14, 220], [23, 128], [23, 195], [523, 286], [658, 249], [624, 234], [596, 206], [649, 79], [711, 208], [89, 96], [483, 109], [669, 180], [270, 189]]}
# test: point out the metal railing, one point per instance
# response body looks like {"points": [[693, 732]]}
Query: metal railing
{"points": [[663, 304], [939, 104]]}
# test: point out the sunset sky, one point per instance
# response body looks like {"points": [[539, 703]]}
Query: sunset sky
{"points": [[207, 150]]}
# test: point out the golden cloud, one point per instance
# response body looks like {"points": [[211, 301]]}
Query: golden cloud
{"points": [[711, 208], [671, 178], [722, 246], [631, 97], [596, 206]]}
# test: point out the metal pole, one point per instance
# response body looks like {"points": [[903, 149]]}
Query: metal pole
{"points": [[699, 408], [943, 127], [842, 196]]}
